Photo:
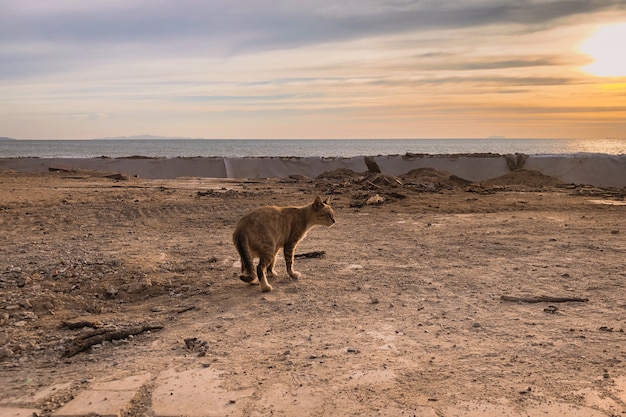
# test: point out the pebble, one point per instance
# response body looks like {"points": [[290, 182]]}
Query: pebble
{"points": [[23, 281], [5, 352]]}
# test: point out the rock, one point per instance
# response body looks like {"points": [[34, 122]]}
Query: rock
{"points": [[375, 200], [5, 353], [23, 280], [138, 287], [111, 292], [26, 315], [26, 303]]}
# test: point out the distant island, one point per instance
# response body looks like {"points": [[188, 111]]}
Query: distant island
{"points": [[139, 137], [3, 138]]}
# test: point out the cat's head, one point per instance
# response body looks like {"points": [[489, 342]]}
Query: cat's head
{"points": [[323, 212]]}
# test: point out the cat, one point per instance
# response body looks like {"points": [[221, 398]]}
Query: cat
{"points": [[262, 232]]}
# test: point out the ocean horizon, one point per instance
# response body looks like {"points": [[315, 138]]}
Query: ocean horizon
{"points": [[347, 148]]}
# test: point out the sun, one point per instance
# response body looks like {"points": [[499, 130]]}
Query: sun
{"points": [[606, 47]]}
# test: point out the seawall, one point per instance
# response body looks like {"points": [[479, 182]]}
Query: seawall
{"points": [[593, 169]]}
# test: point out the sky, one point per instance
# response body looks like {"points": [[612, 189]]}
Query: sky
{"points": [[305, 69]]}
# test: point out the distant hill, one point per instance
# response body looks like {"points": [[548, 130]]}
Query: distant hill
{"points": [[139, 137], [3, 138]]}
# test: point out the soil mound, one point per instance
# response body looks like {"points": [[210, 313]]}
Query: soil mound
{"points": [[525, 177], [442, 179], [339, 174]]}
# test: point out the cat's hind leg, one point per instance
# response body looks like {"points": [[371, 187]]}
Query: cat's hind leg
{"points": [[263, 265], [247, 263], [271, 272], [248, 276]]}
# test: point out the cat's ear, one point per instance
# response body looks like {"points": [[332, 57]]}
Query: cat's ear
{"points": [[327, 201], [318, 204]]}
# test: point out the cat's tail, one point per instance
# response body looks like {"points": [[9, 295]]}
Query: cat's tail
{"points": [[247, 263]]}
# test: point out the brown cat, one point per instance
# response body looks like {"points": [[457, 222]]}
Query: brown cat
{"points": [[262, 232]]}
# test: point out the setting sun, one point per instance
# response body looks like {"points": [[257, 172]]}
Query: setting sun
{"points": [[606, 48]]}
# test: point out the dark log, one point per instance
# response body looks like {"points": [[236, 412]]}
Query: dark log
{"points": [[316, 254], [84, 342], [80, 324]]}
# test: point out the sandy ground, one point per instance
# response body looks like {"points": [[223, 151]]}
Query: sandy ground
{"points": [[403, 311]]}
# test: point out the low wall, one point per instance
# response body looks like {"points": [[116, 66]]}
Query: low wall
{"points": [[594, 169]]}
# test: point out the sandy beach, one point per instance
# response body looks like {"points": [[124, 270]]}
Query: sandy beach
{"points": [[433, 295]]}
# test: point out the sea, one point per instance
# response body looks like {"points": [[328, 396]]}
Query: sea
{"points": [[235, 148]]}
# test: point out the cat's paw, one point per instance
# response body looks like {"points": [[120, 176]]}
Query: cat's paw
{"points": [[271, 273], [248, 278], [295, 275], [266, 288]]}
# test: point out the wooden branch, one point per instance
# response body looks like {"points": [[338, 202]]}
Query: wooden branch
{"points": [[316, 254], [84, 342], [185, 309], [80, 324], [543, 299]]}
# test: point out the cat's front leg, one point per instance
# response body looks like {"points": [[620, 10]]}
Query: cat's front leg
{"points": [[289, 251]]}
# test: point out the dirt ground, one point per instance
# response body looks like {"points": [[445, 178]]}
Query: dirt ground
{"points": [[403, 310]]}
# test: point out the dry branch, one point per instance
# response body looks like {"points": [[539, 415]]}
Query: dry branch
{"points": [[80, 324], [185, 309], [315, 254], [543, 299], [84, 342]]}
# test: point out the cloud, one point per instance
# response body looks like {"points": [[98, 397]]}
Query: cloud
{"points": [[51, 37], [244, 25], [190, 58]]}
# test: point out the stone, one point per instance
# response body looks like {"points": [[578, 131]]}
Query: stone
{"points": [[132, 383], [18, 412], [195, 393], [95, 402]]}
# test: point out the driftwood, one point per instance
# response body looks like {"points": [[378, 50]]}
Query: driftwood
{"points": [[88, 172], [316, 254], [185, 309], [89, 339], [380, 180], [543, 299], [516, 161], [80, 324], [371, 164]]}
